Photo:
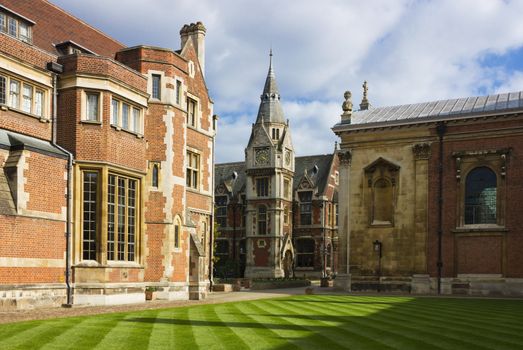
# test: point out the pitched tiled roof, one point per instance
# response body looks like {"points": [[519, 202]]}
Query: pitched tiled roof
{"points": [[53, 26], [223, 172], [436, 111]]}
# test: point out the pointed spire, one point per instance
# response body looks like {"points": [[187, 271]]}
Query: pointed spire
{"points": [[270, 106]]}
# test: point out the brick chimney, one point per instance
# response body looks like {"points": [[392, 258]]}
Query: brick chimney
{"points": [[195, 32]]}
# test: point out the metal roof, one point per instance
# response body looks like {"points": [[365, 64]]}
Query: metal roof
{"points": [[436, 110]]}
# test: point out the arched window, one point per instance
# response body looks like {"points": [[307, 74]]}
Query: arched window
{"points": [[177, 230], [305, 252], [155, 176], [262, 220], [480, 196], [382, 202]]}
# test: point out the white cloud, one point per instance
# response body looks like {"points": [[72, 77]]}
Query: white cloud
{"points": [[409, 51]]}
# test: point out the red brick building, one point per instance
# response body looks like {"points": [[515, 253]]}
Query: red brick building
{"points": [[106, 154], [430, 196], [276, 213]]}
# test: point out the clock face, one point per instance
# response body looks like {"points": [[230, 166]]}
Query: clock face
{"points": [[287, 157], [262, 156]]}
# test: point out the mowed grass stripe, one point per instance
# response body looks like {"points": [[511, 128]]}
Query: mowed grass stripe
{"points": [[86, 333], [392, 333], [315, 337], [33, 338], [463, 328], [296, 336], [347, 334], [432, 313], [224, 332], [435, 328], [130, 332], [204, 329], [254, 335], [162, 333], [261, 329]]}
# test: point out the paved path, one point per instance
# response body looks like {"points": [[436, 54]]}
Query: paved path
{"points": [[213, 298]]}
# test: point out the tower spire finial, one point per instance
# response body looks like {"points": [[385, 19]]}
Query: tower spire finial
{"points": [[365, 104]]}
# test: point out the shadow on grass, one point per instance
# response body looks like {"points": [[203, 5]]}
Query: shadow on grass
{"points": [[407, 323]]}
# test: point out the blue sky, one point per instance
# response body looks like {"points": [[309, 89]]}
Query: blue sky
{"points": [[408, 51]]}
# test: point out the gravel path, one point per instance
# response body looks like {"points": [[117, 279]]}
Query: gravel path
{"points": [[213, 298]]}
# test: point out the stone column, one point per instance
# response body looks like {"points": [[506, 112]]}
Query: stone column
{"points": [[420, 278], [343, 280]]}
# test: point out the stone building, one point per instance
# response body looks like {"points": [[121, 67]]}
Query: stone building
{"points": [[429, 196], [276, 212], [106, 154]]}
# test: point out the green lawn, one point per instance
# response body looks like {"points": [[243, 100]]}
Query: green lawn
{"points": [[300, 322]]}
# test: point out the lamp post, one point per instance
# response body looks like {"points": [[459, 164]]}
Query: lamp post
{"points": [[377, 248]]}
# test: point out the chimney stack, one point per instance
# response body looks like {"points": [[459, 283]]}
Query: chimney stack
{"points": [[195, 32]]}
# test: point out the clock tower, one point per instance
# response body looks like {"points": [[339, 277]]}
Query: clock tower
{"points": [[269, 160]]}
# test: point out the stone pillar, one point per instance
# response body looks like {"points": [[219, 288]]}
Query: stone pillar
{"points": [[343, 280], [420, 280]]}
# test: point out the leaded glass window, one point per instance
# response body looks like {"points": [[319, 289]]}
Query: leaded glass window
{"points": [[90, 189], [262, 220], [305, 252], [481, 197]]}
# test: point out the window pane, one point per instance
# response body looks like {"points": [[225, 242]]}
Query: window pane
{"points": [[178, 91], [305, 252], [92, 106], [121, 219], [27, 98], [262, 220], [156, 86], [14, 93], [12, 26], [125, 116], [155, 176], [111, 217], [2, 89], [115, 107], [2, 22], [90, 183], [136, 120], [131, 220], [23, 32], [481, 197], [177, 236], [39, 103]]}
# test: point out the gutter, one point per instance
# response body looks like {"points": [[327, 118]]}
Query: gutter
{"points": [[441, 129], [56, 69]]}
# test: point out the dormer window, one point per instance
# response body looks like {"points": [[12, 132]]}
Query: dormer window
{"points": [[69, 47], [15, 25]]}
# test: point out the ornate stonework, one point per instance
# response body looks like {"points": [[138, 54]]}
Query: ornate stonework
{"points": [[345, 158], [421, 151]]}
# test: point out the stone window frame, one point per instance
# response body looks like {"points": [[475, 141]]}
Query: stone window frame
{"points": [[286, 215], [192, 112], [221, 209], [156, 86], [262, 186], [265, 220], [101, 256], [381, 169], [466, 161], [177, 231], [84, 116], [152, 166], [305, 204], [134, 123], [308, 254], [191, 170], [6, 97]]}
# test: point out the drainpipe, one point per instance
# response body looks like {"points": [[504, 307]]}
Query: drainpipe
{"points": [[211, 234], [441, 129], [56, 69]]}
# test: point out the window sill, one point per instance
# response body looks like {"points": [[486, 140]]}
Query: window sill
{"points": [[94, 122], [479, 229], [193, 190], [93, 263], [42, 119], [118, 128]]}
